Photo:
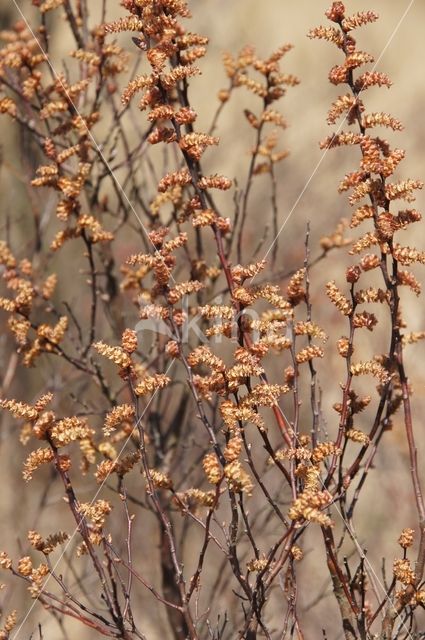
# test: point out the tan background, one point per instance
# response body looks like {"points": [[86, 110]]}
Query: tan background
{"points": [[230, 24]]}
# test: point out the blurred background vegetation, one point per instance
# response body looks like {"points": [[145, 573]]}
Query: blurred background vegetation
{"points": [[307, 192]]}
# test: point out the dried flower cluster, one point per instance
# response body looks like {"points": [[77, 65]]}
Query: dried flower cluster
{"points": [[177, 382]]}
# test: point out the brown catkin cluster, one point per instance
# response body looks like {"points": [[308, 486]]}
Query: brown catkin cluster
{"points": [[186, 354]]}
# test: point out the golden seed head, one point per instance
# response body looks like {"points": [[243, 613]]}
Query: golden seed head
{"points": [[296, 552], [406, 538], [403, 571]]}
